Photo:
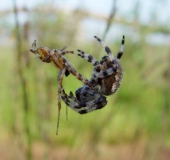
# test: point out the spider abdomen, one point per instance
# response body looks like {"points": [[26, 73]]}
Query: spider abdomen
{"points": [[111, 83]]}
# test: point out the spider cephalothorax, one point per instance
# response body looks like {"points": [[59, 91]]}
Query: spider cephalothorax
{"points": [[65, 68], [106, 78], [86, 100], [48, 56]]}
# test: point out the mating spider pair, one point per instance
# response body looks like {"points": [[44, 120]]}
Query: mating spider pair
{"points": [[105, 79]]}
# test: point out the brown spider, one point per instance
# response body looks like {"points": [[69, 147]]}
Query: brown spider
{"points": [[56, 56]]}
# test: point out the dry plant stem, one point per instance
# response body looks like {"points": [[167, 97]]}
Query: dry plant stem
{"points": [[66, 112], [21, 70], [85, 14], [110, 19]]}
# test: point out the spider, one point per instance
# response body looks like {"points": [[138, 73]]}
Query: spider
{"points": [[56, 56], [106, 78]]}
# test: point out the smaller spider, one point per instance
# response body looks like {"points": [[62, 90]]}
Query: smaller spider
{"points": [[106, 78], [56, 56]]}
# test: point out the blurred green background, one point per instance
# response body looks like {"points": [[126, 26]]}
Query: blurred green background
{"points": [[134, 125]]}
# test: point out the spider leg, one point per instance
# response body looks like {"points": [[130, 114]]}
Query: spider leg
{"points": [[95, 75], [33, 46], [62, 52], [120, 53], [62, 49], [95, 63], [66, 52], [107, 72], [58, 53], [60, 80], [72, 97], [76, 74], [70, 101], [88, 57], [33, 49], [107, 49]]}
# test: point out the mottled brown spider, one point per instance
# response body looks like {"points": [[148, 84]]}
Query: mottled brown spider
{"points": [[65, 68]]}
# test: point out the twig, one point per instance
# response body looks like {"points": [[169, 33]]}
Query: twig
{"points": [[110, 19], [20, 71]]}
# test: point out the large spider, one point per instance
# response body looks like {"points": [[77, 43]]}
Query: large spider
{"points": [[106, 78], [56, 56]]}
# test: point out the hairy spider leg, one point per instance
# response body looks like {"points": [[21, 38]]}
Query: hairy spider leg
{"points": [[76, 74], [55, 54], [88, 57], [107, 49], [34, 49], [63, 48], [60, 80], [65, 52], [72, 104], [120, 53], [107, 72], [94, 62]]}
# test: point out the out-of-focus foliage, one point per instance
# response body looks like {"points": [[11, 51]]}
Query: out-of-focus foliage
{"points": [[135, 124]]}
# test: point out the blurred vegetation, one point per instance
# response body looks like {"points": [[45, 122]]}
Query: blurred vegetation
{"points": [[135, 124]]}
